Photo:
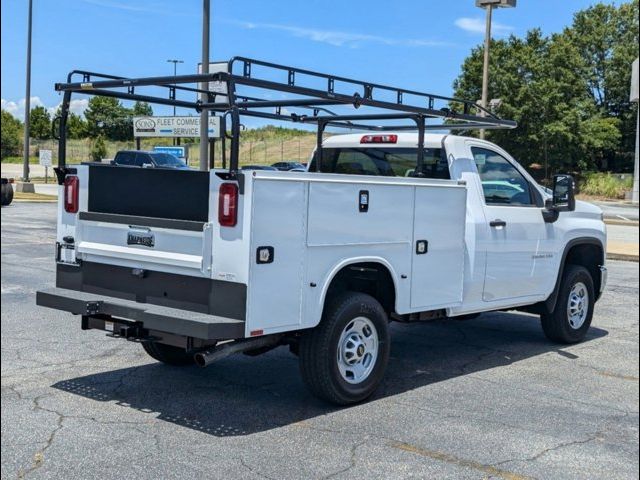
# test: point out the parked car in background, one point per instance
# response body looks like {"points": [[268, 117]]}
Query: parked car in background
{"points": [[258, 167], [7, 191], [140, 158], [287, 166]]}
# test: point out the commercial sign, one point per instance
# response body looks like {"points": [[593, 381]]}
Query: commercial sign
{"points": [[173, 127], [219, 88], [179, 152], [45, 158]]}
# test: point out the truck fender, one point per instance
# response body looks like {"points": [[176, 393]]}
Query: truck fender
{"points": [[345, 263], [550, 303]]}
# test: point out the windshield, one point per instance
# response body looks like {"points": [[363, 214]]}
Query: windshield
{"points": [[167, 160], [383, 161]]}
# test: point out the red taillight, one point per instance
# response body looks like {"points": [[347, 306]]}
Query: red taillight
{"points": [[71, 190], [379, 139], [228, 205]]}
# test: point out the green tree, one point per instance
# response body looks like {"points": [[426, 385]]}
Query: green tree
{"points": [[11, 135], [76, 126], [142, 109], [98, 149], [569, 96], [106, 116], [40, 123], [606, 37]]}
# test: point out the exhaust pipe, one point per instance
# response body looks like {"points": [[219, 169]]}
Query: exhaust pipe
{"points": [[207, 357]]}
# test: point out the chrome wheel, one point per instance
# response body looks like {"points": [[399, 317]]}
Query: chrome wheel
{"points": [[578, 305], [357, 350]]}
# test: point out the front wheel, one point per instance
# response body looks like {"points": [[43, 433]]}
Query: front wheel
{"points": [[344, 358], [571, 318]]}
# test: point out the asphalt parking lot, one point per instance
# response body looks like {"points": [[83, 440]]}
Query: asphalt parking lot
{"points": [[484, 398]]}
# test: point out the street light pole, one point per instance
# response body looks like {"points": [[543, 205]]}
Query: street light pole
{"points": [[175, 72], [488, 5], [27, 100], [635, 97], [204, 115], [485, 66]]}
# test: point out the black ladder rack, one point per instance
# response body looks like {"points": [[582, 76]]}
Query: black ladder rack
{"points": [[379, 102]]}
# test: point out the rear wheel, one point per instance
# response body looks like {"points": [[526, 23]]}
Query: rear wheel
{"points": [[7, 193], [571, 318], [344, 358], [168, 354]]}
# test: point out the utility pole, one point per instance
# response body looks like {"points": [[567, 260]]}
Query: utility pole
{"points": [[204, 115], [175, 141], [175, 72], [488, 5], [634, 97], [27, 100]]}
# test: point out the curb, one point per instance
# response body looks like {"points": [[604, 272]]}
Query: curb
{"points": [[625, 223], [625, 257]]}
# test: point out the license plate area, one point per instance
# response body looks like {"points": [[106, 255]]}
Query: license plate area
{"points": [[141, 237]]}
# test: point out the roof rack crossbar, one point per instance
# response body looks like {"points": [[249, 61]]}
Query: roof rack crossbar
{"points": [[317, 96], [87, 75], [368, 87]]}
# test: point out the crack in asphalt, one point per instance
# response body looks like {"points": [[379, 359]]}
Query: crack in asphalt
{"points": [[255, 471], [39, 456], [548, 394], [544, 452], [352, 461], [491, 470]]}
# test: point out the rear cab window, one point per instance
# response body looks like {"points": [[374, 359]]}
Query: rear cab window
{"points": [[383, 161]]}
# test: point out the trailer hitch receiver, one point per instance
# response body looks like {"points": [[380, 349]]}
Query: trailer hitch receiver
{"points": [[93, 308]]}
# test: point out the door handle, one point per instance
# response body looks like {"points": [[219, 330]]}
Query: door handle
{"points": [[498, 223]]}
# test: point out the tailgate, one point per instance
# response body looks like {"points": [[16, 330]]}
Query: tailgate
{"points": [[152, 219]]}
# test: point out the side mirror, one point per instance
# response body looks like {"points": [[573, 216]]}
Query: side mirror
{"points": [[563, 198], [564, 193], [147, 165]]}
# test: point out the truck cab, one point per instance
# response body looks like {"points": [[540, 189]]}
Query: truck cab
{"points": [[513, 246]]}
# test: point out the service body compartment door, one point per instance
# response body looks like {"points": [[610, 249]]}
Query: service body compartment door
{"points": [[276, 256], [438, 247]]}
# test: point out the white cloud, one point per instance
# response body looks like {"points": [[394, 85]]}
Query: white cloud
{"points": [[9, 106], [478, 25], [17, 108], [121, 6], [158, 8], [77, 106], [338, 38]]}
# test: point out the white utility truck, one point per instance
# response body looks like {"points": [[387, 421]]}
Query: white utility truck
{"points": [[387, 225]]}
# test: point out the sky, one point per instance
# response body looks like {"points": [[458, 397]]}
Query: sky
{"points": [[414, 44]]}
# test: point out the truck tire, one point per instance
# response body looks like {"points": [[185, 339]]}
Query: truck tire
{"points": [[168, 354], [7, 193], [571, 318], [344, 358]]}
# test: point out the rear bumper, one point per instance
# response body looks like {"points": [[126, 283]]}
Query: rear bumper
{"points": [[148, 316]]}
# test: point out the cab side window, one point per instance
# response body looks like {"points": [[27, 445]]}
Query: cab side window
{"points": [[502, 183], [125, 158], [142, 158]]}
